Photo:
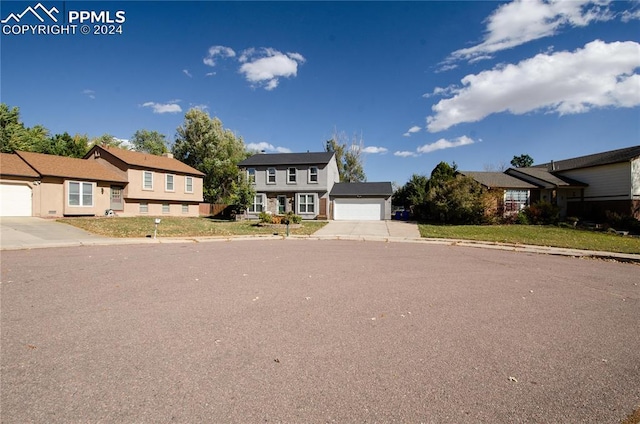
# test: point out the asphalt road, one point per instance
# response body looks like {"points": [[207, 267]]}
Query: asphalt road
{"points": [[314, 331]]}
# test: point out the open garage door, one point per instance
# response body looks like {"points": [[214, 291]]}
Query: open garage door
{"points": [[359, 209], [15, 200]]}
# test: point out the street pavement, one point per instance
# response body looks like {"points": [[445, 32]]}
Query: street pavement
{"points": [[316, 331]]}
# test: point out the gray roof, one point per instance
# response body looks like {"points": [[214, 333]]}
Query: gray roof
{"points": [[547, 177], [498, 179], [266, 159], [362, 189], [604, 158]]}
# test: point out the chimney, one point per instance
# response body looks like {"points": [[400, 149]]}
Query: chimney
{"points": [[552, 166], [168, 155]]}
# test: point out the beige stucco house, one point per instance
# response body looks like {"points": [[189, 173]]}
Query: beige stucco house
{"points": [[107, 179]]}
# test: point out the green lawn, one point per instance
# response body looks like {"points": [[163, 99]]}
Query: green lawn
{"points": [[536, 235], [182, 227]]}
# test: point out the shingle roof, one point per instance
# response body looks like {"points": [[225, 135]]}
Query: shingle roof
{"points": [[498, 179], [13, 165], [546, 176], [146, 160], [266, 159], [604, 158], [362, 189], [65, 167]]}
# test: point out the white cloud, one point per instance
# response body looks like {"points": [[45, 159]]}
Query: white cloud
{"points": [[267, 147], [124, 143], [445, 144], [521, 21], [209, 74], [405, 154], [187, 73], [374, 150], [216, 52], [412, 130], [596, 76], [629, 15], [89, 93], [170, 107], [264, 67]]}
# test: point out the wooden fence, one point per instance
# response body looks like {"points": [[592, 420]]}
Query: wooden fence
{"points": [[213, 209]]}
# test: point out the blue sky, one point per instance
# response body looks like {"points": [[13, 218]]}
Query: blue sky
{"points": [[420, 82]]}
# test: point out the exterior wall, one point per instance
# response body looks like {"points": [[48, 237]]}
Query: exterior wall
{"points": [[635, 178], [135, 190], [50, 198], [271, 204], [607, 182], [302, 183], [154, 208]]}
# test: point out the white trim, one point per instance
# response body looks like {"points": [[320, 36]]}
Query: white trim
{"points": [[144, 187], [186, 185], [289, 174], [314, 197], [275, 175], [251, 176], [316, 174], [254, 203], [81, 194]]}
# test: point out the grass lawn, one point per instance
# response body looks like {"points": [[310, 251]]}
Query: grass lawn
{"points": [[536, 235], [182, 227]]}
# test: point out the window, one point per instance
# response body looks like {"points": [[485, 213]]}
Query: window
{"points": [[185, 208], [306, 203], [144, 207], [515, 200], [80, 194], [251, 175], [291, 175], [271, 176], [168, 182], [188, 184], [166, 208], [147, 180], [258, 204], [313, 174]]}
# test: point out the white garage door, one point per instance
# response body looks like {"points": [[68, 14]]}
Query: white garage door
{"points": [[15, 200], [358, 209]]}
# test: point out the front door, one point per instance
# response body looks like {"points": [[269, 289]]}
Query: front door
{"points": [[282, 205], [116, 198]]}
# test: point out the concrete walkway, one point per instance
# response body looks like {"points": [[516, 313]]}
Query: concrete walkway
{"points": [[346, 229]]}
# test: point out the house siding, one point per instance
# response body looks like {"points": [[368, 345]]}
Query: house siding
{"points": [[635, 178], [607, 182]]}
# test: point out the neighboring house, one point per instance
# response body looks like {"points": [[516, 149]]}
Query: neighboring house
{"points": [[57, 186], [361, 201], [129, 183], [157, 185], [512, 195], [291, 182], [585, 186]]}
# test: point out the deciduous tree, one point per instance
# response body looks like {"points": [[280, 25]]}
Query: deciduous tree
{"points": [[522, 161], [149, 142], [348, 156]]}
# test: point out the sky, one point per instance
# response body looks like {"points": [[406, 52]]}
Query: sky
{"points": [[475, 83]]}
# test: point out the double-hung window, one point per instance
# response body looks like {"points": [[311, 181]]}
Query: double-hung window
{"points": [[291, 175], [251, 175], [80, 193], [168, 182], [306, 203], [271, 176], [257, 205], [188, 184], [313, 175], [515, 200], [147, 180]]}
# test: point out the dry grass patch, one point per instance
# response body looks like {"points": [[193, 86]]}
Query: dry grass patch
{"points": [[181, 227]]}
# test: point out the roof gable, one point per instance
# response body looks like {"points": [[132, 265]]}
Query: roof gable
{"points": [[146, 160], [605, 158], [273, 159], [66, 167], [498, 180], [362, 189], [545, 177], [13, 165]]}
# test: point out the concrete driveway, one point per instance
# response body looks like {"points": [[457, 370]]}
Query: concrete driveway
{"points": [[359, 229], [29, 232]]}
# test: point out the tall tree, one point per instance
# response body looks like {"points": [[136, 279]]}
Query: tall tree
{"points": [[15, 136], [66, 145], [348, 156], [203, 143], [522, 161], [149, 142], [107, 140]]}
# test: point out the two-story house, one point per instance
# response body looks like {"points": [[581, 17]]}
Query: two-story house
{"points": [[157, 185], [292, 182]]}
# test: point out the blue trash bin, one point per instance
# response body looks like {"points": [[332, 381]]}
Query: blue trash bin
{"points": [[398, 215], [405, 215]]}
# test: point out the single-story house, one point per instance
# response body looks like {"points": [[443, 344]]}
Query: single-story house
{"points": [[512, 194], [35, 184], [361, 201]]}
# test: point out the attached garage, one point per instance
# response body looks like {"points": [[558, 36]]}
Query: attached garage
{"points": [[358, 209], [361, 201], [15, 200]]}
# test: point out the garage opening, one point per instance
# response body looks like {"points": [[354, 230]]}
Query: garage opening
{"points": [[15, 200], [358, 209]]}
